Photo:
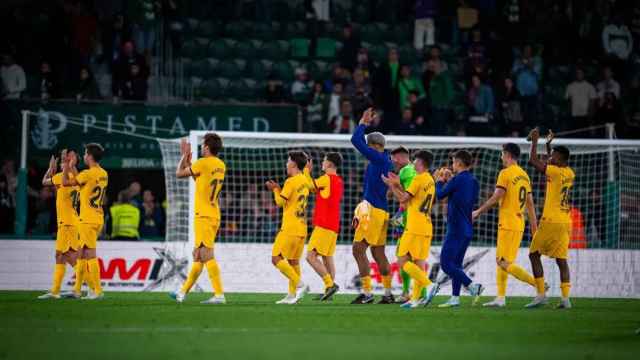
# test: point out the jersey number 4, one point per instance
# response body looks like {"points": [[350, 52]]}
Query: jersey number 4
{"points": [[97, 197], [426, 205], [216, 186]]}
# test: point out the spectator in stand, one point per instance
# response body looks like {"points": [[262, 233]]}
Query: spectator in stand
{"points": [[407, 126], [317, 13], [343, 123], [134, 192], [407, 84], [274, 92], [337, 75], [301, 87], [152, 218], [350, 45], [385, 89], [608, 84], [7, 206], [122, 67], [435, 54], [86, 88], [317, 110], [582, 97], [114, 38], [135, 87], [47, 83], [175, 26], [333, 102], [425, 25], [441, 95], [509, 110], [527, 70], [476, 54], [45, 216], [125, 218], [610, 112], [358, 83], [145, 16], [481, 106], [361, 100], [420, 110], [617, 42], [363, 64], [14, 81], [467, 19]]}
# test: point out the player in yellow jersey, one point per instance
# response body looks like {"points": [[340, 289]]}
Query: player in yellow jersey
{"points": [[208, 172], [67, 202], [513, 192], [414, 245], [289, 243], [93, 187], [552, 237]]}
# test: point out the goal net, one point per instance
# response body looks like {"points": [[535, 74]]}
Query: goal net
{"points": [[605, 198]]}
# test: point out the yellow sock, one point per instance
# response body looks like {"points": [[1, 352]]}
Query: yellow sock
{"points": [[501, 281], [366, 284], [80, 269], [94, 273], [417, 291], [540, 285], [196, 269], [386, 281], [214, 275], [417, 274], [327, 280], [521, 274], [58, 275], [292, 286], [565, 288], [287, 270]]}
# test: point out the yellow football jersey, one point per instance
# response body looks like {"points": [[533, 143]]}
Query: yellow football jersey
{"points": [[93, 187], [293, 199], [67, 201], [556, 202], [516, 184], [321, 184], [422, 190], [209, 173]]}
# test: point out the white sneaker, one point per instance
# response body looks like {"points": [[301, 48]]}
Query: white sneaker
{"points": [[301, 291], [49, 295], [93, 296], [215, 300], [538, 301], [178, 296], [286, 299], [70, 295], [452, 302], [497, 302], [564, 304]]}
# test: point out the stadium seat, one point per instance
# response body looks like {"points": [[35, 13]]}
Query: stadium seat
{"points": [[245, 49], [299, 47], [259, 69], [284, 70], [238, 29], [208, 29], [264, 32], [371, 33], [201, 48], [296, 29], [189, 49], [200, 68], [221, 48], [326, 48], [242, 90], [233, 69], [378, 53], [191, 26]]}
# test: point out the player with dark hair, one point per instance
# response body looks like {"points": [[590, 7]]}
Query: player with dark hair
{"points": [[329, 189], [513, 192], [461, 192], [413, 247], [93, 188], [552, 237], [289, 243], [208, 173]]}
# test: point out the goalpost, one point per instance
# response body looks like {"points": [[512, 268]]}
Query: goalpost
{"points": [[605, 198]]}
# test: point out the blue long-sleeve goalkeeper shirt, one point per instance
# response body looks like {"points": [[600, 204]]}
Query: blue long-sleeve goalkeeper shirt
{"points": [[462, 192], [375, 190]]}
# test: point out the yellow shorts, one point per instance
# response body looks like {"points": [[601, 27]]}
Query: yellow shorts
{"points": [[323, 241], [205, 230], [552, 240], [288, 246], [375, 233], [417, 246], [89, 235], [508, 244], [67, 238]]}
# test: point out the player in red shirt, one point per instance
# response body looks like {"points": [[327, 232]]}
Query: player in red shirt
{"points": [[326, 221]]}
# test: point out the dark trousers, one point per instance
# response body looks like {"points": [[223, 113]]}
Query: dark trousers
{"points": [[451, 258]]}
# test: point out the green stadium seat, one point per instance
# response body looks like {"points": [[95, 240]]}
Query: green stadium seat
{"points": [[264, 31], [282, 12], [259, 69], [326, 48], [233, 69], [284, 71], [213, 89], [402, 33], [200, 68], [371, 33], [221, 49], [362, 13], [241, 90], [208, 29], [378, 53], [191, 25], [296, 29], [202, 45], [299, 47], [408, 54], [189, 49], [238, 29], [245, 49]]}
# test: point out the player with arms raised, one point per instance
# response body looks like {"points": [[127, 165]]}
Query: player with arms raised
{"points": [[208, 172], [371, 218], [93, 188], [326, 221], [289, 243], [513, 191], [552, 237], [413, 248]]}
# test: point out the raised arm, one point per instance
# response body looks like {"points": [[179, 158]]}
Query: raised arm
{"points": [[497, 195], [534, 160], [360, 143], [531, 214], [47, 179], [184, 166]]}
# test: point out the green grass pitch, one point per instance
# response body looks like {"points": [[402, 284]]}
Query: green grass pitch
{"points": [[250, 326]]}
